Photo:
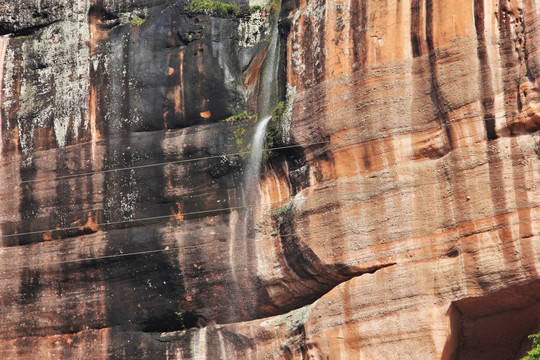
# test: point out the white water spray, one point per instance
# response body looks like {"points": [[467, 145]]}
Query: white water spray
{"points": [[243, 248], [253, 167], [4, 41], [267, 99]]}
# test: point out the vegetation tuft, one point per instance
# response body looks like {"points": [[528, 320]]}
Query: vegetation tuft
{"points": [[212, 7], [244, 115], [272, 131], [228, 10], [239, 136], [280, 214], [180, 317], [278, 111], [534, 354], [137, 21]]}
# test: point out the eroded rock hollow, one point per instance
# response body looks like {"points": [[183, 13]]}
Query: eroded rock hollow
{"points": [[394, 212]]}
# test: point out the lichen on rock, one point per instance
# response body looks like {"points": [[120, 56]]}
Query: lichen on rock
{"points": [[253, 28]]}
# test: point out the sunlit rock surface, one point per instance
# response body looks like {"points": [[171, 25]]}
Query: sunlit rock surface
{"points": [[399, 217]]}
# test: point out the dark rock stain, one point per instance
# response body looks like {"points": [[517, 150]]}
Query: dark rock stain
{"points": [[436, 96], [29, 286], [486, 88], [416, 36], [359, 23], [143, 291], [28, 210], [284, 28], [25, 31], [511, 62]]}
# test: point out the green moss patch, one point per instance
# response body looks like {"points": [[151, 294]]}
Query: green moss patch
{"points": [[212, 7], [228, 10], [239, 136], [272, 135], [137, 21], [244, 115]]}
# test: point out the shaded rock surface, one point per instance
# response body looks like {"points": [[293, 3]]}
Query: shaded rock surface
{"points": [[399, 218]]}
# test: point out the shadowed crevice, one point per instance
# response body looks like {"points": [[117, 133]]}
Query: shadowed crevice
{"points": [[27, 31], [312, 272], [174, 321]]}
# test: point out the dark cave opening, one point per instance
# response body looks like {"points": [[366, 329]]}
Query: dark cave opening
{"points": [[176, 321], [495, 326]]}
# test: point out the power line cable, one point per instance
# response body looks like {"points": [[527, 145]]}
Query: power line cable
{"points": [[172, 162], [221, 209], [230, 208], [218, 210], [171, 248], [302, 145]]}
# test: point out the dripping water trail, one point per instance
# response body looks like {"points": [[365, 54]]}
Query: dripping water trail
{"points": [[4, 40], [267, 100], [243, 250], [253, 167]]}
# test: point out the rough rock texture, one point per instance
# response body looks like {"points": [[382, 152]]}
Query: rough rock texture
{"points": [[399, 218]]}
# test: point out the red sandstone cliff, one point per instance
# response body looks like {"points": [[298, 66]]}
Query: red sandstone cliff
{"points": [[398, 219]]}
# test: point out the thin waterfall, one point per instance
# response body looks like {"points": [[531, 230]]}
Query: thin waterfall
{"points": [[242, 252], [4, 41], [267, 100]]}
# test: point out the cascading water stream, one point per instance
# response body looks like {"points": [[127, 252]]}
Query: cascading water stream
{"points": [[253, 166], [4, 41], [267, 99], [242, 250]]}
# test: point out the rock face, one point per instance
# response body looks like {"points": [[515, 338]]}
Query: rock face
{"points": [[398, 216]]}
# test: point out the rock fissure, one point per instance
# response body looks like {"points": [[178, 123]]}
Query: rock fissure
{"points": [[198, 324], [27, 31], [61, 332]]}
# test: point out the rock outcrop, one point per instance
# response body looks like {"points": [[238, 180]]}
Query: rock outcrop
{"points": [[397, 214]]}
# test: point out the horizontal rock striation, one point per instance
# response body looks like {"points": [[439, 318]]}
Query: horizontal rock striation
{"points": [[397, 216]]}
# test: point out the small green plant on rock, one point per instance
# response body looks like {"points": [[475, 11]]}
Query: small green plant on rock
{"points": [[244, 115], [212, 7], [281, 214], [181, 319], [137, 21], [239, 136], [534, 354], [278, 111], [272, 131]]}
